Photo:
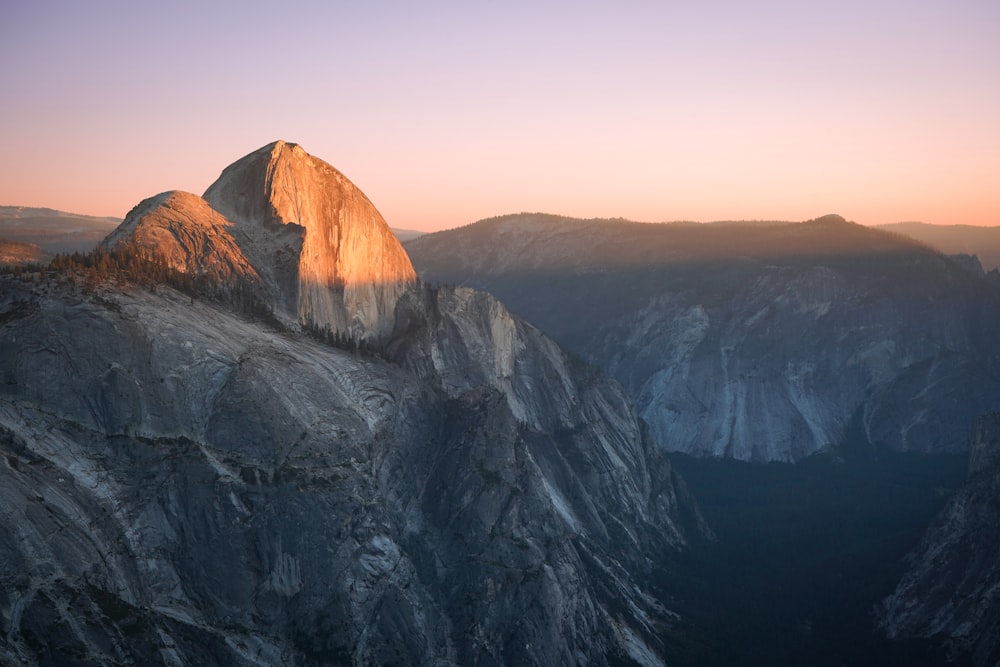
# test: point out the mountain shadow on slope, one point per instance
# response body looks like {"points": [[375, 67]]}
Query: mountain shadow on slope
{"points": [[804, 554], [753, 342]]}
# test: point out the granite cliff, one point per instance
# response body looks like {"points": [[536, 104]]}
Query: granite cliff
{"points": [[952, 588], [187, 234], [324, 250], [181, 485], [752, 341]]}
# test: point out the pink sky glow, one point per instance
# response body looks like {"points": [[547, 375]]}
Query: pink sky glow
{"points": [[445, 113]]}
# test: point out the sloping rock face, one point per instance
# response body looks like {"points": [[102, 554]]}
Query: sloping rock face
{"points": [[188, 234], [180, 485], [952, 589], [755, 341], [328, 257]]}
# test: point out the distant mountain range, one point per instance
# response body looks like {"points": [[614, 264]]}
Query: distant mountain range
{"points": [[761, 342], [983, 242], [53, 231]]}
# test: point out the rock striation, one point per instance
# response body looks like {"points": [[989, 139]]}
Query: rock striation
{"points": [[951, 590], [752, 341], [182, 485]]}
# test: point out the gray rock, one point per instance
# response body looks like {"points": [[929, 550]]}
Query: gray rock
{"points": [[327, 256], [182, 485], [951, 590], [759, 342]]}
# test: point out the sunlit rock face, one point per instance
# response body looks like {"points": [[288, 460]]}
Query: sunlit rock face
{"points": [[184, 231], [753, 341], [324, 250], [952, 588]]}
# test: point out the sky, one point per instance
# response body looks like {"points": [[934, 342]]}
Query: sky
{"points": [[445, 113]]}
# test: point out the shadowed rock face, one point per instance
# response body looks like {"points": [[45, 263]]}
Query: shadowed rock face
{"points": [[179, 485], [337, 265], [952, 589], [760, 342]]}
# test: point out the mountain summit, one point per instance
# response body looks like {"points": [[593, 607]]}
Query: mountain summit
{"points": [[322, 247], [292, 225], [186, 233]]}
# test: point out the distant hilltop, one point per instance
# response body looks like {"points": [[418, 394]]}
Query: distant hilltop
{"points": [[53, 231], [983, 242]]}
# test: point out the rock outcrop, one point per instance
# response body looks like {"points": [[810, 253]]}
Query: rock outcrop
{"points": [[182, 485], [952, 588], [183, 231], [326, 254], [755, 341]]}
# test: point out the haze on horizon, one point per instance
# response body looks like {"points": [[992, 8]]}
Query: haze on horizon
{"points": [[445, 113]]}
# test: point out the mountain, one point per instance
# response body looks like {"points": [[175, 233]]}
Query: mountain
{"points": [[53, 231], [20, 253], [759, 342], [328, 257], [186, 233], [952, 588], [184, 484], [983, 242], [406, 234]]}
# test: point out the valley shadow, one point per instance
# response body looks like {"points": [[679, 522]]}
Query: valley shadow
{"points": [[804, 553]]}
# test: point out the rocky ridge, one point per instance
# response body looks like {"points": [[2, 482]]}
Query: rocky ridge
{"points": [[54, 231], [184, 231], [753, 341], [182, 485]]}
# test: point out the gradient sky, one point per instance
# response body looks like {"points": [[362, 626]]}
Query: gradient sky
{"points": [[448, 112]]}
